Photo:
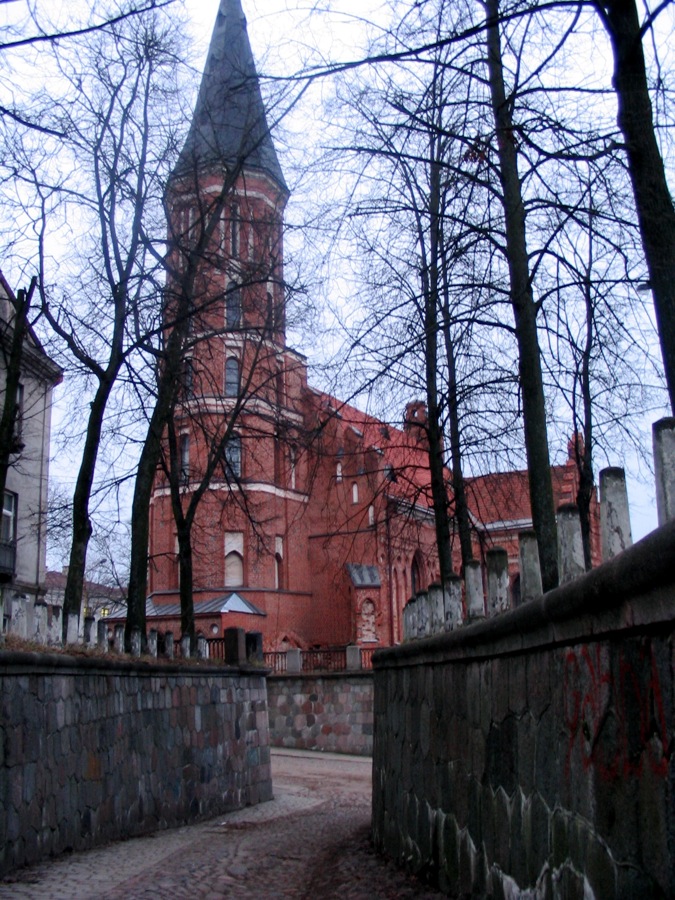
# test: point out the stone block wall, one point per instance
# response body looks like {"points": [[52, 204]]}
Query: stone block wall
{"points": [[531, 755], [331, 712], [93, 750]]}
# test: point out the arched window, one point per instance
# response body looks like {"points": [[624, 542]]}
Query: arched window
{"points": [[416, 570], [371, 516], [233, 305], [278, 573], [232, 457], [235, 230], [338, 472], [232, 377], [355, 492], [234, 569]]}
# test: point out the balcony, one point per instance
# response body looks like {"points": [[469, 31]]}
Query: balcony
{"points": [[7, 560]]}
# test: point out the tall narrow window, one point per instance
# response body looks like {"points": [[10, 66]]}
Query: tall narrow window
{"points": [[234, 570], [416, 573], [233, 305], [8, 524], [232, 377], [185, 458], [279, 584], [235, 230], [293, 458], [371, 516], [234, 559], [270, 323], [188, 377], [232, 457], [355, 492], [338, 472]]}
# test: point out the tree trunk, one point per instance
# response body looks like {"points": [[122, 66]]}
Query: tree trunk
{"points": [[439, 491], [654, 204], [458, 484], [525, 314], [82, 529]]}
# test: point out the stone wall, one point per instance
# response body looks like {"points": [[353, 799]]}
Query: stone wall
{"points": [[531, 755], [93, 750], [330, 712]]}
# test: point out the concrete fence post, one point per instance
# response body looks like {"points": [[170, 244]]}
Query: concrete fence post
{"points": [[136, 642], [615, 533], [235, 646], [423, 617], [353, 658], [452, 597], [293, 661], [570, 545], [102, 635], [254, 647], [436, 601], [530, 570], [663, 438], [73, 632], [473, 585], [119, 638], [89, 622], [41, 617], [169, 651], [497, 563], [185, 646], [152, 642]]}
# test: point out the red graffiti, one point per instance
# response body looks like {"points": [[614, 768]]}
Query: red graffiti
{"points": [[613, 707]]}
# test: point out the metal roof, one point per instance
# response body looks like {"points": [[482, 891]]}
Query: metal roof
{"points": [[364, 576], [226, 604], [229, 127]]}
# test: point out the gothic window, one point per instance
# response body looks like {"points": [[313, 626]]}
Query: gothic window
{"points": [[293, 459], [234, 570], [233, 305], [234, 559], [235, 230], [416, 573], [232, 377], [355, 492], [188, 377], [270, 323], [279, 581], [232, 457]]}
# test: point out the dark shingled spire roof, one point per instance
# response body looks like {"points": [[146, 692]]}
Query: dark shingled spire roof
{"points": [[229, 125]]}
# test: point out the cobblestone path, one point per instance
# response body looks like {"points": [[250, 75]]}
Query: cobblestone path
{"points": [[311, 842]]}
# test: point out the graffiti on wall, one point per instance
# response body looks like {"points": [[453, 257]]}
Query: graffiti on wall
{"points": [[614, 711]]}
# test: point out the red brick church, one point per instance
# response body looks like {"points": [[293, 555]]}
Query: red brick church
{"points": [[316, 525]]}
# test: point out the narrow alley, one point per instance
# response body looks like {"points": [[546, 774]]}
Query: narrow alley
{"points": [[311, 841]]}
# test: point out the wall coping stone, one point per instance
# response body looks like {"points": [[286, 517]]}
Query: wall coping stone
{"points": [[591, 607], [11, 661], [346, 675]]}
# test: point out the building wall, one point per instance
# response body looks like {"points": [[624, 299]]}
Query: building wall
{"points": [[27, 480], [95, 750], [531, 755], [330, 712]]}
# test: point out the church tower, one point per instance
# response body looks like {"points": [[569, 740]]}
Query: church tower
{"points": [[237, 425]]}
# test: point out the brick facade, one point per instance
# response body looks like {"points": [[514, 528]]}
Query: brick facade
{"points": [[326, 527]]}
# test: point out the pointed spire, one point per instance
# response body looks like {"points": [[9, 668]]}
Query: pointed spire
{"points": [[229, 125]]}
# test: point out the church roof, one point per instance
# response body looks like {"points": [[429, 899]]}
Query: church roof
{"points": [[229, 127]]}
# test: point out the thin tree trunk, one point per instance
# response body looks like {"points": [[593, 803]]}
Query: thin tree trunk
{"points": [[458, 484], [654, 204], [435, 433], [525, 314], [82, 528]]}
